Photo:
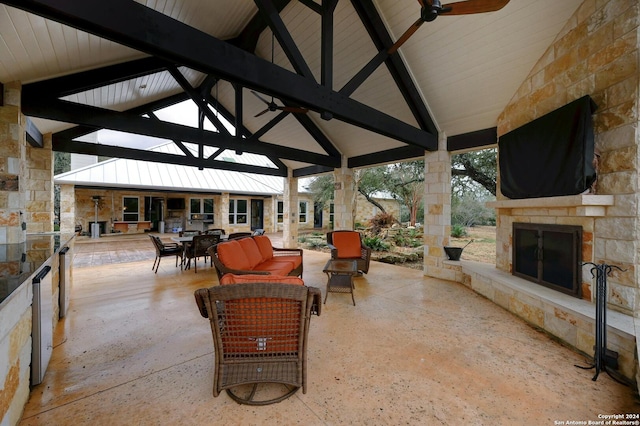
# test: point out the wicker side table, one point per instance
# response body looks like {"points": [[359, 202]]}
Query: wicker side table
{"points": [[340, 275]]}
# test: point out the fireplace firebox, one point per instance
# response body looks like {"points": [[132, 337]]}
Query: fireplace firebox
{"points": [[549, 255]]}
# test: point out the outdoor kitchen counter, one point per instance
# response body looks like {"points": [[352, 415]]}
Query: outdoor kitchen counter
{"points": [[19, 262]]}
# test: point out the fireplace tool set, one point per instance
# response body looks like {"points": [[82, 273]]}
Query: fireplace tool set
{"points": [[603, 357]]}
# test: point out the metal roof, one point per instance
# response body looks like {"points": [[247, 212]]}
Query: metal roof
{"points": [[137, 174]]}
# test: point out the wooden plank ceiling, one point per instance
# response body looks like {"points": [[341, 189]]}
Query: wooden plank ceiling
{"points": [[95, 65]]}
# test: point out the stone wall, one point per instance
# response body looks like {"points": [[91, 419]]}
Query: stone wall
{"points": [[13, 167], [80, 208], [38, 188], [595, 54]]}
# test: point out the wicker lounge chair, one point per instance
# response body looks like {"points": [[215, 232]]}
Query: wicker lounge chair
{"points": [[348, 245], [260, 338]]}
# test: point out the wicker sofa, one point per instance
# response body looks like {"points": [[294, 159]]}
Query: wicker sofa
{"points": [[255, 255]]}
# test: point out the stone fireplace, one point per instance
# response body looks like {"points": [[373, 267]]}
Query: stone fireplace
{"points": [[548, 255], [576, 211]]}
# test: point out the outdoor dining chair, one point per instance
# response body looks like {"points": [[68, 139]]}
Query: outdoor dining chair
{"points": [[198, 248], [165, 249]]}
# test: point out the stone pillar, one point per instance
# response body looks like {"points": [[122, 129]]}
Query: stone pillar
{"points": [[290, 212], [437, 210], [344, 197], [67, 209], [39, 187], [224, 212], [13, 175]]}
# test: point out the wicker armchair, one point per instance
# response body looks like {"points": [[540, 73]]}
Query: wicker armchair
{"points": [[348, 245], [260, 337], [165, 249], [198, 248]]}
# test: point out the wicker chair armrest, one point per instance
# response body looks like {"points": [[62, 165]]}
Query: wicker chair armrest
{"points": [[277, 251], [366, 252], [201, 295], [171, 245], [314, 297]]}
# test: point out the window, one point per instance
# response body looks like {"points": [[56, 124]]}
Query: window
{"points": [[280, 218], [201, 207], [303, 211], [130, 209], [238, 212], [331, 207]]}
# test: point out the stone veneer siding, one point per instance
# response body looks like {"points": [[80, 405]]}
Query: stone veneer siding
{"points": [[13, 166], [80, 208], [38, 188], [595, 54]]}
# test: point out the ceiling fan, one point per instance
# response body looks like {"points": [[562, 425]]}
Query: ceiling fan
{"points": [[271, 105], [431, 9]]}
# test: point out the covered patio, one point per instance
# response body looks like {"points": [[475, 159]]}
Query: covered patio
{"points": [[415, 350]]}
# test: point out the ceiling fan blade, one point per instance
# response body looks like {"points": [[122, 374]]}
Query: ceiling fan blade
{"points": [[261, 113], [260, 97], [473, 6], [404, 37], [294, 109]]}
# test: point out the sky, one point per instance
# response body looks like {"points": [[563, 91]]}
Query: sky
{"points": [[185, 113]]}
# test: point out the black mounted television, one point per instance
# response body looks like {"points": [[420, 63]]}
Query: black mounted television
{"points": [[550, 156], [175, 203]]}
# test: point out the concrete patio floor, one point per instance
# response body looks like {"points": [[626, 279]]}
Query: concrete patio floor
{"points": [[134, 350]]}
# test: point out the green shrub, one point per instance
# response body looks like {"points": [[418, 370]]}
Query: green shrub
{"points": [[407, 238], [376, 244], [458, 231], [316, 243]]}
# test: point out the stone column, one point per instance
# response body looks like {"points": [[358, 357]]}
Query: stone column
{"points": [[290, 212], [224, 212], [437, 210], [13, 171], [67, 209], [39, 187], [344, 197]]}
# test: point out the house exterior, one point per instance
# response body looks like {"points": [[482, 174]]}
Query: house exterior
{"points": [[131, 196]]}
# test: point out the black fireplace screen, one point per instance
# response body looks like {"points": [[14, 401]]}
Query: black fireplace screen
{"points": [[549, 255]]}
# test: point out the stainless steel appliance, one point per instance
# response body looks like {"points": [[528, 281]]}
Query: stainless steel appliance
{"points": [[65, 280], [42, 329]]}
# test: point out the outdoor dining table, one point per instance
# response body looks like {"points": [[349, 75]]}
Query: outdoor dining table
{"points": [[185, 240]]}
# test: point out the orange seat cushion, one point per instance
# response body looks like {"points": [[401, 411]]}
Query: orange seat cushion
{"points": [[251, 278], [251, 251], [295, 260], [232, 255], [275, 267], [348, 244], [264, 245]]}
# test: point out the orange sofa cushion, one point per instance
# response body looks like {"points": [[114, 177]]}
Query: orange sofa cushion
{"points": [[348, 244], [232, 255], [264, 245], [295, 260], [251, 251], [251, 278], [275, 267]]}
